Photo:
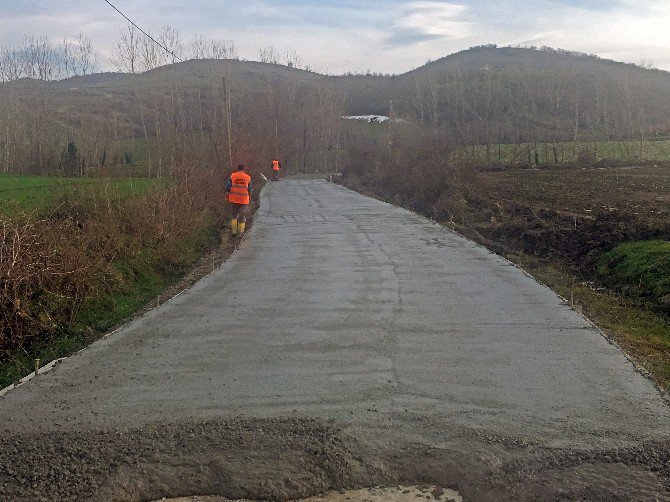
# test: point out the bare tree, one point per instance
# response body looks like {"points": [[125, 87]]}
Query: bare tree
{"points": [[40, 59], [150, 54], [36, 57], [68, 63], [11, 64], [293, 59], [83, 55], [200, 48], [170, 39], [127, 52], [555, 89], [269, 54], [223, 49], [419, 99]]}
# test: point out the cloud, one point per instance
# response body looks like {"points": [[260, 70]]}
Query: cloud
{"points": [[421, 21], [351, 35], [262, 10], [633, 31]]}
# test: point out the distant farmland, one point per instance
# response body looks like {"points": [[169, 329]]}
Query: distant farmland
{"points": [[20, 194], [576, 152]]}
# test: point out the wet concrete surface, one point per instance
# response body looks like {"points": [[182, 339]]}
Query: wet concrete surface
{"points": [[372, 494], [433, 359]]}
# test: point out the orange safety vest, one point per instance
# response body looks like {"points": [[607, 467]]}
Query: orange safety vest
{"points": [[275, 165], [239, 190]]}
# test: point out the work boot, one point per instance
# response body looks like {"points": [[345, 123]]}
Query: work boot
{"points": [[241, 227], [233, 227]]}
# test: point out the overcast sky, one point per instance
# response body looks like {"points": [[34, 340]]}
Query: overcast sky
{"points": [[378, 35]]}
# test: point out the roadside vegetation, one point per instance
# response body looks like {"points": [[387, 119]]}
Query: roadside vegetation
{"points": [[581, 154], [641, 268], [95, 256]]}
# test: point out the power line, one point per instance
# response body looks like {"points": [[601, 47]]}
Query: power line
{"points": [[144, 32]]}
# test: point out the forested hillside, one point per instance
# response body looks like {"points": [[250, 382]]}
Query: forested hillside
{"points": [[490, 95], [487, 96], [212, 112]]}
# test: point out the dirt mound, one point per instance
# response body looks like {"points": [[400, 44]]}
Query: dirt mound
{"points": [[266, 459], [292, 459]]}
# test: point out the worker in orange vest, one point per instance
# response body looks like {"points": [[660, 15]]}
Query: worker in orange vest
{"points": [[239, 190], [276, 166]]}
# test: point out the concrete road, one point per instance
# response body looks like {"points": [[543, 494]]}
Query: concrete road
{"points": [[349, 310]]}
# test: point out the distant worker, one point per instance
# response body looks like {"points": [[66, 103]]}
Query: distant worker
{"points": [[276, 166], [239, 193]]}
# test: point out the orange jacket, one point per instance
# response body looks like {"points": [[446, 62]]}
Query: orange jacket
{"points": [[275, 165], [239, 188]]}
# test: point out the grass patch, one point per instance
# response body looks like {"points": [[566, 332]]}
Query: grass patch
{"points": [[642, 267], [143, 282], [20, 193], [21, 364]]}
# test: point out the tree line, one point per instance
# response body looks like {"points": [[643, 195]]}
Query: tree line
{"points": [[150, 123], [38, 57]]}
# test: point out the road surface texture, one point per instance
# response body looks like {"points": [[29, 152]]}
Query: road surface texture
{"points": [[347, 343]]}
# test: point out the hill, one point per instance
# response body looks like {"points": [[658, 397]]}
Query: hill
{"points": [[481, 96], [523, 94]]}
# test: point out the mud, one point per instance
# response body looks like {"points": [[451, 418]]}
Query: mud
{"points": [[374, 494], [288, 459]]}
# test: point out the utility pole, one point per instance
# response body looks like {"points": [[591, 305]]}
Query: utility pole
{"points": [[229, 126]]}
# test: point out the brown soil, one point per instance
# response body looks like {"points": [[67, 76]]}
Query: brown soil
{"points": [[641, 192], [571, 214], [288, 459]]}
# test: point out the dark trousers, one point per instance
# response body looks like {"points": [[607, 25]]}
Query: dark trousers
{"points": [[239, 212]]}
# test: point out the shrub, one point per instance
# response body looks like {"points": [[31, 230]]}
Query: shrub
{"points": [[50, 267], [642, 267]]}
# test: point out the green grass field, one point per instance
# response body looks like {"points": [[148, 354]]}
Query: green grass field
{"points": [[20, 194], [570, 152], [643, 266], [567, 152]]}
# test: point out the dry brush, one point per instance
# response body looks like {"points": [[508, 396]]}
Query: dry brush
{"points": [[51, 266]]}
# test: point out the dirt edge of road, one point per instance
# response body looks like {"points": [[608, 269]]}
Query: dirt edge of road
{"points": [[292, 458]]}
